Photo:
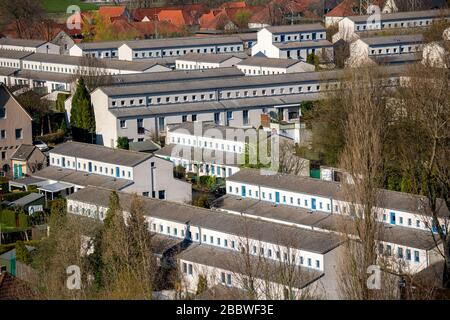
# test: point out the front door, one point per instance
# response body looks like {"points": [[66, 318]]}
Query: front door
{"points": [[117, 172], [90, 166], [314, 36], [277, 197], [243, 191], [392, 217], [313, 203]]}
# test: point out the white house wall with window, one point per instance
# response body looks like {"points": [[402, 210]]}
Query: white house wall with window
{"points": [[404, 211], [275, 242], [198, 61], [147, 175], [28, 45]]}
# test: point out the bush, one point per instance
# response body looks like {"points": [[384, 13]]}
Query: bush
{"points": [[123, 143], [60, 101], [201, 201], [53, 138], [179, 172], [13, 196], [8, 218]]}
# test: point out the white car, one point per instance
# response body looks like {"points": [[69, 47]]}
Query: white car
{"points": [[41, 145]]}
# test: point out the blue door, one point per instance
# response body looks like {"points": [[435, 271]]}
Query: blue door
{"points": [[277, 197], [282, 38], [313, 203], [392, 217], [243, 191], [117, 172], [314, 36], [90, 166]]}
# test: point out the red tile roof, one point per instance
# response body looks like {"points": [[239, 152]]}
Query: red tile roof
{"points": [[111, 12], [175, 17], [235, 5], [12, 288], [345, 8]]}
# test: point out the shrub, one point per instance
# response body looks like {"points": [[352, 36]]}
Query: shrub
{"points": [[12, 196], [53, 138]]}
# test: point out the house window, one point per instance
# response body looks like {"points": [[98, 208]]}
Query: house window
{"points": [[222, 277], [2, 113], [400, 253], [184, 267], [190, 269], [2, 134], [416, 256], [408, 254], [229, 279], [19, 134], [123, 124]]}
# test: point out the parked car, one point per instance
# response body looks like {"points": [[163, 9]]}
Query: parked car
{"points": [[41, 145]]}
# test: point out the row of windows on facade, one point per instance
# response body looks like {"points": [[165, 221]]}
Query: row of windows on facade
{"points": [[285, 199], [261, 71], [89, 167], [397, 24], [163, 53], [18, 132], [9, 64], [225, 278], [223, 95], [401, 252], [205, 144], [81, 70], [395, 50], [296, 37], [328, 207], [233, 245], [208, 169], [194, 66]]}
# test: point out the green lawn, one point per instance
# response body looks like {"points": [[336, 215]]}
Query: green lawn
{"points": [[60, 6]]}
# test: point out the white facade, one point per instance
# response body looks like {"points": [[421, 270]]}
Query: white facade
{"points": [[47, 47], [198, 64], [253, 70]]}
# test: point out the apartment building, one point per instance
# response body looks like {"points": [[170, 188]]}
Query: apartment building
{"points": [[74, 166], [15, 128], [221, 234], [351, 27], [193, 61], [27, 45], [295, 42], [385, 48], [205, 148], [266, 66], [135, 111], [320, 205]]}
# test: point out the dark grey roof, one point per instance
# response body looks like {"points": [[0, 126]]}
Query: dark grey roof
{"points": [[144, 146], [303, 44], [296, 28], [22, 42], [80, 178], [100, 153], [177, 75], [268, 62], [232, 104], [45, 76], [23, 152], [201, 154], [181, 42], [401, 15], [114, 45], [209, 57], [32, 197], [78, 61], [396, 39], [233, 261], [397, 58], [4, 71], [317, 220], [14, 54], [328, 189], [235, 82], [27, 181], [319, 242]]}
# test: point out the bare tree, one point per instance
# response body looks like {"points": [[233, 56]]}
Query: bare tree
{"points": [[94, 72]]}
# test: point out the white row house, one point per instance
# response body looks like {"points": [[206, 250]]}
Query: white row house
{"points": [[193, 61], [137, 110], [159, 48], [351, 27], [205, 148], [255, 65], [74, 166], [314, 252], [36, 46], [368, 50], [402, 215]]}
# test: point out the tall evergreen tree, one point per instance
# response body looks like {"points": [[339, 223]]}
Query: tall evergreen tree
{"points": [[82, 116]]}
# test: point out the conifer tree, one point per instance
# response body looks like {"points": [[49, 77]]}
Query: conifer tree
{"points": [[82, 116]]}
